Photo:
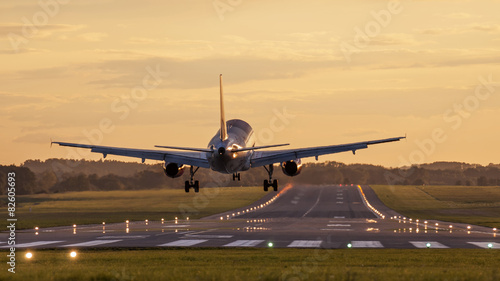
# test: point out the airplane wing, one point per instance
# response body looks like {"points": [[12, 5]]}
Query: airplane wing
{"points": [[261, 158], [197, 159]]}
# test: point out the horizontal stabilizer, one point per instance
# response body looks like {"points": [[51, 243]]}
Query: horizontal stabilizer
{"points": [[185, 148], [258, 147]]}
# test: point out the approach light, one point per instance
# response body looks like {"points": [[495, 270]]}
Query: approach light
{"points": [[428, 245], [72, 254], [469, 227], [490, 245], [74, 225], [29, 255], [270, 244], [349, 245]]}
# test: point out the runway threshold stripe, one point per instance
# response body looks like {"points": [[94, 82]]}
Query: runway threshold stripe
{"points": [[484, 245], [183, 243], [92, 243], [433, 244], [367, 244], [244, 243], [305, 244], [34, 244]]}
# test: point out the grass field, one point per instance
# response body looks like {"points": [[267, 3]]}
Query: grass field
{"points": [[259, 264], [117, 206], [478, 205]]}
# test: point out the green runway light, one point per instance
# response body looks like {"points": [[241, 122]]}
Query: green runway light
{"points": [[270, 244], [490, 245], [349, 245], [428, 245]]}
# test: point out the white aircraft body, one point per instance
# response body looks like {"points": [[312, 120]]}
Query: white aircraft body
{"points": [[230, 151]]}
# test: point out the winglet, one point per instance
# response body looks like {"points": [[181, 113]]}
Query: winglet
{"points": [[223, 126]]}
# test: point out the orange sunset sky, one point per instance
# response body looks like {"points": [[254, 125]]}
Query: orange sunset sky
{"points": [[144, 73]]}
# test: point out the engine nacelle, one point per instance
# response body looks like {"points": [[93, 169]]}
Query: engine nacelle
{"points": [[292, 168], [173, 170]]}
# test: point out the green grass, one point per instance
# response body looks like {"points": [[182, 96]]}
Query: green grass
{"points": [[116, 206], [478, 205], [258, 264]]}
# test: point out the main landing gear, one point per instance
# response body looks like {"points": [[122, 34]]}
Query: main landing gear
{"points": [[270, 183], [192, 183], [236, 176]]}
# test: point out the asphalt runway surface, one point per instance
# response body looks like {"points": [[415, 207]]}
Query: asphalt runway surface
{"points": [[300, 216]]}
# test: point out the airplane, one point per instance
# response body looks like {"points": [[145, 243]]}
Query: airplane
{"points": [[230, 151]]}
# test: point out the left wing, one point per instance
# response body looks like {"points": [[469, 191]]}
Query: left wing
{"points": [[261, 158], [197, 159]]}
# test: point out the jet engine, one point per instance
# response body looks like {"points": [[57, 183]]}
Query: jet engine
{"points": [[173, 170], [291, 168]]}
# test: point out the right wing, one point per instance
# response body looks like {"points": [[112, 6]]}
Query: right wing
{"points": [[262, 158], [197, 159]]}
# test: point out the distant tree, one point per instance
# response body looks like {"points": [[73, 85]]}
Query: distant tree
{"points": [[418, 182], [482, 181]]}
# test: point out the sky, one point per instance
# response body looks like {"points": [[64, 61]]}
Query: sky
{"points": [[143, 73]]}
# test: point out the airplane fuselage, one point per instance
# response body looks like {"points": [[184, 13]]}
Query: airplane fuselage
{"points": [[239, 135]]}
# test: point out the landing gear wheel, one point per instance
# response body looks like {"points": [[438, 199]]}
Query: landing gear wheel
{"points": [[266, 185], [275, 185], [196, 186], [187, 186]]}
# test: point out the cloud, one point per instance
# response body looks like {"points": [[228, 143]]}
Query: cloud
{"points": [[38, 138], [25, 30], [93, 36], [483, 27]]}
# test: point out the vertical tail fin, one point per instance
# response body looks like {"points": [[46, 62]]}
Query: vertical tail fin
{"points": [[223, 126]]}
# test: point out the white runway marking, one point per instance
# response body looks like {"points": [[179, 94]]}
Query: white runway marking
{"points": [[338, 229], [92, 243], [339, 217], [124, 237], [433, 244], [305, 244], [336, 224], [244, 243], [183, 243], [209, 236], [33, 244], [484, 245], [367, 244]]}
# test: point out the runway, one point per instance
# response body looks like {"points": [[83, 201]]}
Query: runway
{"points": [[301, 216]]}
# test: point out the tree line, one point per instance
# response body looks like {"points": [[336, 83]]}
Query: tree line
{"points": [[60, 175]]}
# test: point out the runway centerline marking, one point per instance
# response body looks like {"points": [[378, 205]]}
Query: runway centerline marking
{"points": [[338, 224], [244, 243], [183, 243]]}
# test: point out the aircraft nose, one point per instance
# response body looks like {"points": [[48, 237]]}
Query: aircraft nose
{"points": [[221, 150]]}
